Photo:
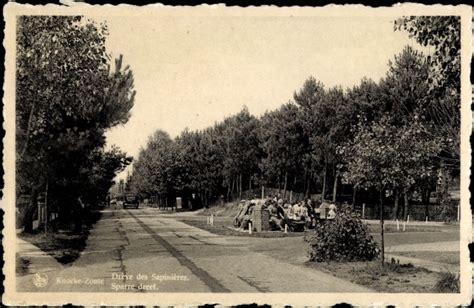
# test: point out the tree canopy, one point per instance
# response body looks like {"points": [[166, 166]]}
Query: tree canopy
{"points": [[394, 134], [67, 96]]}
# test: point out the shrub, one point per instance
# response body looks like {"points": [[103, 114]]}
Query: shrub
{"points": [[448, 283], [345, 238], [22, 265]]}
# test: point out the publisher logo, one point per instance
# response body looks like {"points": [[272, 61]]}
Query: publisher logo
{"points": [[40, 280]]}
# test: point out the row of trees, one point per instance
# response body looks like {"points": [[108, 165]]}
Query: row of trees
{"points": [[67, 95], [391, 137]]}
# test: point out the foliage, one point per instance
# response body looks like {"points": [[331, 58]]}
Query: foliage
{"points": [[345, 238], [283, 142], [443, 33], [404, 89], [384, 155], [97, 176], [448, 283], [66, 97]]}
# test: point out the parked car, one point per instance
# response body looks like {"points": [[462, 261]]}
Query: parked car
{"points": [[130, 201]]}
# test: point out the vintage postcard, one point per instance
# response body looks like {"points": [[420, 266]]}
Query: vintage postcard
{"points": [[210, 154]]}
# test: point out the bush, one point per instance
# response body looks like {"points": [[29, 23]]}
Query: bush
{"points": [[448, 283], [345, 238]]}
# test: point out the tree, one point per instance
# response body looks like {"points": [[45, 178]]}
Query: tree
{"points": [[443, 33], [98, 175], [443, 107], [66, 98], [238, 145], [405, 89], [326, 118], [384, 156], [308, 97], [155, 159], [332, 130], [284, 145]]}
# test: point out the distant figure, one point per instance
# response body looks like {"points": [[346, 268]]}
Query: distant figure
{"points": [[280, 209], [303, 212], [274, 219], [324, 210], [289, 213], [332, 211], [296, 211], [309, 208]]}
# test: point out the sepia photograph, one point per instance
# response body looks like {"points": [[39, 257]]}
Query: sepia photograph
{"points": [[282, 155]]}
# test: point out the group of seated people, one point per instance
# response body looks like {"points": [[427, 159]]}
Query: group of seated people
{"points": [[296, 216], [299, 215]]}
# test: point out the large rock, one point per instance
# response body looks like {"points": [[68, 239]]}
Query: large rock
{"points": [[260, 217]]}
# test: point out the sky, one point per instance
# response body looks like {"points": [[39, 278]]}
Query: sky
{"points": [[191, 72]]}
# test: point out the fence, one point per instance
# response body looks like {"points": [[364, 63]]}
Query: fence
{"points": [[416, 211]]}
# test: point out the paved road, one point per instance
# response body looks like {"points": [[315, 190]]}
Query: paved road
{"points": [[175, 257]]}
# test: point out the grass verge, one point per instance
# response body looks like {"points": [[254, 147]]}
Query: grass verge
{"points": [[448, 257], [390, 278], [375, 228], [64, 245]]}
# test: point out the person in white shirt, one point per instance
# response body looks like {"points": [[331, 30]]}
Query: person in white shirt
{"points": [[296, 211], [332, 211], [289, 211]]}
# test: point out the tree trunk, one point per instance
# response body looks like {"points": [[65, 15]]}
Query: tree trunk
{"points": [[382, 240], [395, 207], [334, 189], [235, 191], [405, 205], [228, 190], [285, 185], [426, 201], [307, 194], [305, 178], [46, 218], [30, 212], [240, 186], [425, 196], [306, 184], [354, 192], [323, 193], [234, 184], [28, 131], [279, 183]]}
